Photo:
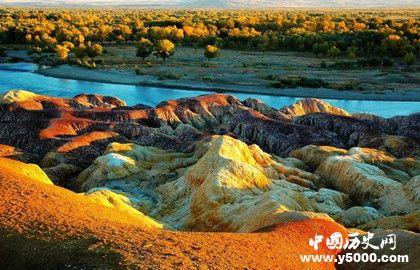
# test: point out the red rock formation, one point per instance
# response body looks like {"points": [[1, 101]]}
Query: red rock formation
{"points": [[40, 124]]}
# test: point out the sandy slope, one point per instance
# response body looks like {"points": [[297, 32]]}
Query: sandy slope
{"points": [[48, 227]]}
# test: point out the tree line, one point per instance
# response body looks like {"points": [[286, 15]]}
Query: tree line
{"points": [[349, 33]]}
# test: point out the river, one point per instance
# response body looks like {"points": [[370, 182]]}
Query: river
{"points": [[22, 76]]}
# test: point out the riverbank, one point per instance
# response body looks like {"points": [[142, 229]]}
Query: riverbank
{"points": [[125, 77], [237, 71]]}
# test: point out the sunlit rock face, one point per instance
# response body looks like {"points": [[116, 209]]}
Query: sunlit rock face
{"points": [[215, 163], [12, 171], [122, 203], [310, 106], [7, 151], [16, 96], [314, 155], [302, 107], [49, 123], [385, 135], [233, 187], [363, 182], [372, 178], [30, 171], [382, 184], [226, 185], [369, 177], [409, 222], [97, 101]]}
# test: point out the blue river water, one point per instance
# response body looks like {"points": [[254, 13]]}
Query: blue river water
{"points": [[21, 76]]}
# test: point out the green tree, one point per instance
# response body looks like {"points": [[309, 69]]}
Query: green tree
{"points": [[144, 48], [333, 52], [320, 48], [211, 52], [164, 48], [409, 59], [351, 52]]}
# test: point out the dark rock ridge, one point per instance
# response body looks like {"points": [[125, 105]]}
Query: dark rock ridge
{"points": [[75, 131]]}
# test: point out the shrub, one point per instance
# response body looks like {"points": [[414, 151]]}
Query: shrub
{"points": [[86, 63], [94, 50], [170, 76], [320, 48], [80, 52], [369, 62], [293, 82], [386, 62], [211, 52], [333, 52], [409, 59], [343, 64], [37, 50], [144, 48], [348, 86], [351, 52]]}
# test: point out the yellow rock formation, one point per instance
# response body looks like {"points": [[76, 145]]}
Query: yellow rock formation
{"points": [[31, 171], [120, 202], [410, 222], [106, 198], [225, 185], [16, 96], [363, 182], [312, 105], [315, 155]]}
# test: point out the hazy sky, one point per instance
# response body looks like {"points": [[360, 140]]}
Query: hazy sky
{"points": [[221, 3]]}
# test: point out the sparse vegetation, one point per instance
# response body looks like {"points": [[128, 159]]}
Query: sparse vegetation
{"points": [[293, 82], [298, 81], [169, 76], [347, 86], [372, 62]]}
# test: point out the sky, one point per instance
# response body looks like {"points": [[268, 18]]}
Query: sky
{"points": [[219, 3]]}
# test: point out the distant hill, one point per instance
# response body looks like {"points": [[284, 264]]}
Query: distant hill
{"points": [[215, 3]]}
